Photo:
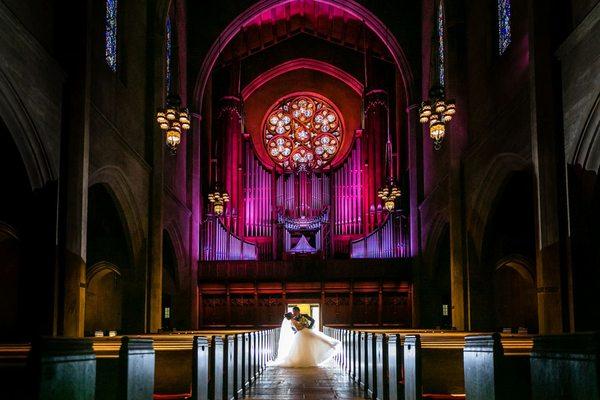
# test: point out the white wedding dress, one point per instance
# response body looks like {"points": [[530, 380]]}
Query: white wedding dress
{"points": [[305, 348]]}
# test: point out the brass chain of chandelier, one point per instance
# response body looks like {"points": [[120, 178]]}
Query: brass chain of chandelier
{"points": [[437, 112], [174, 121]]}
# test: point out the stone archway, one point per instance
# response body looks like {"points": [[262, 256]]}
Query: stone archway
{"points": [[503, 278], [103, 298], [112, 277], [370, 20], [515, 301]]}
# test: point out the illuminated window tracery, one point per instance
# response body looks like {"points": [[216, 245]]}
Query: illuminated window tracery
{"points": [[441, 43], [504, 35], [168, 55], [110, 26], [303, 132]]}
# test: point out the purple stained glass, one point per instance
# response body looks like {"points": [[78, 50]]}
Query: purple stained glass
{"points": [[110, 33], [168, 54], [504, 36], [441, 43]]}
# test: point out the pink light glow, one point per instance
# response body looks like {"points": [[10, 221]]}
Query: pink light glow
{"points": [[302, 63]]}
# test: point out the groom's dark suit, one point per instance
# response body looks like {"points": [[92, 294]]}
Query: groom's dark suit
{"points": [[308, 317]]}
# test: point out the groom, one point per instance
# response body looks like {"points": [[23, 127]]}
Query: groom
{"points": [[298, 317]]}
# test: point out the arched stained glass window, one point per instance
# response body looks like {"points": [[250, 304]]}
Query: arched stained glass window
{"points": [[303, 132], [441, 33], [504, 35], [110, 33], [168, 55]]}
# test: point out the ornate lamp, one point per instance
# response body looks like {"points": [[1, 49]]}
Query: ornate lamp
{"points": [[437, 112], [173, 121], [218, 196], [390, 191]]}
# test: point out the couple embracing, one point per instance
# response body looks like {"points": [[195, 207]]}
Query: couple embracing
{"points": [[300, 345]]}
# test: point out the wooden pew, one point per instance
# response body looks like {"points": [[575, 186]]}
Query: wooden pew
{"points": [[566, 366], [15, 379], [434, 373], [125, 368], [363, 376], [63, 369], [217, 387], [492, 374], [370, 362], [200, 368]]}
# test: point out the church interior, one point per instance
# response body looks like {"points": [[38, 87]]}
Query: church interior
{"points": [[419, 177]]}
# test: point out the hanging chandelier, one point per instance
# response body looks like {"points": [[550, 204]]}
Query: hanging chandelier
{"points": [[390, 191], [437, 112], [173, 121], [217, 196]]}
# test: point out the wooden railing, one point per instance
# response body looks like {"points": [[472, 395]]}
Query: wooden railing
{"points": [[303, 268]]}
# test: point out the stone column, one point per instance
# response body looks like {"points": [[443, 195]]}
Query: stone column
{"points": [[457, 141], [548, 168], [157, 153], [415, 176], [230, 128], [195, 196], [375, 136], [73, 195]]}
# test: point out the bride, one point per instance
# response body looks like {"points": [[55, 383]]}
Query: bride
{"points": [[300, 346]]}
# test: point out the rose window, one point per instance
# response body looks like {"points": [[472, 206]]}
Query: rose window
{"points": [[303, 132]]}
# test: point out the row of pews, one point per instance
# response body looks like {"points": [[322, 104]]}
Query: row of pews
{"points": [[413, 365], [196, 365]]}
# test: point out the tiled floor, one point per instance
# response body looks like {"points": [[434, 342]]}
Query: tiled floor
{"points": [[323, 383]]}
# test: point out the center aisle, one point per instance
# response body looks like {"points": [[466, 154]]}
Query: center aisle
{"points": [[325, 383]]}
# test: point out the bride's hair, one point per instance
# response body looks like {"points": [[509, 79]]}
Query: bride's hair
{"points": [[287, 315]]}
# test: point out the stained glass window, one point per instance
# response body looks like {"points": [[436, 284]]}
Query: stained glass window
{"points": [[110, 33], [504, 36], [441, 43], [169, 45], [303, 132]]}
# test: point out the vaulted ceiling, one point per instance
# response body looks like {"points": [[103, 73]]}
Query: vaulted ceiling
{"points": [[303, 17]]}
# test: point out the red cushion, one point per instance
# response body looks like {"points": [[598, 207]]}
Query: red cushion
{"points": [[172, 396], [443, 396]]}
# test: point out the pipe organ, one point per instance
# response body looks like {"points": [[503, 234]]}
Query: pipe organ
{"points": [[348, 185], [258, 184], [221, 244], [386, 241], [300, 199]]}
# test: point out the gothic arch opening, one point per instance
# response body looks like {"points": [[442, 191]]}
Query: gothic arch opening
{"points": [[508, 256], [109, 303], [104, 298]]}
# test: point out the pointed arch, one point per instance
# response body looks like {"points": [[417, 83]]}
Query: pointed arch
{"points": [[25, 134], [494, 179], [120, 188], [350, 6]]}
